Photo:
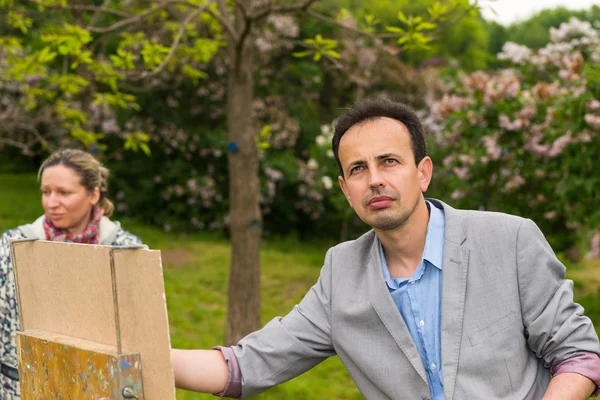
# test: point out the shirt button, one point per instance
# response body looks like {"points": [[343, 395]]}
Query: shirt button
{"points": [[412, 282], [421, 323], [433, 367]]}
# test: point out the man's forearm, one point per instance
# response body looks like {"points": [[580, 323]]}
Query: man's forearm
{"points": [[200, 370], [569, 386]]}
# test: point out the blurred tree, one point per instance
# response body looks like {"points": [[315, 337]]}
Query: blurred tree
{"points": [[78, 66], [534, 32], [465, 38]]}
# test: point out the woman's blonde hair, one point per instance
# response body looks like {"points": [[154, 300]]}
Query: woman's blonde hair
{"points": [[91, 172]]}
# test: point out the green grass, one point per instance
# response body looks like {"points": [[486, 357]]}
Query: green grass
{"points": [[196, 275]]}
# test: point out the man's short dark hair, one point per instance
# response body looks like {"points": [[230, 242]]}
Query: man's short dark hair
{"points": [[370, 110]]}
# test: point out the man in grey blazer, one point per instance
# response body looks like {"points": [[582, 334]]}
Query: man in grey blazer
{"points": [[432, 303]]}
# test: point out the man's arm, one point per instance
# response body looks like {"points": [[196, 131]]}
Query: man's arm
{"points": [[200, 370], [569, 386], [558, 331]]}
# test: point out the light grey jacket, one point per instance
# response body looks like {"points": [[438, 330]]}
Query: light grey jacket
{"points": [[507, 316]]}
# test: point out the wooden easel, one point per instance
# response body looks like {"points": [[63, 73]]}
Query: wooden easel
{"points": [[91, 317]]}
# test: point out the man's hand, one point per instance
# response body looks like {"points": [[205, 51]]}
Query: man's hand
{"points": [[569, 386]]}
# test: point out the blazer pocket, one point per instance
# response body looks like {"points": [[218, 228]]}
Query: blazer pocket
{"points": [[493, 329]]}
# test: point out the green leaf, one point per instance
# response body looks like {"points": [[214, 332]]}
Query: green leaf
{"points": [[46, 55], [394, 29], [193, 73], [145, 148], [333, 53], [300, 54], [402, 17], [425, 26]]}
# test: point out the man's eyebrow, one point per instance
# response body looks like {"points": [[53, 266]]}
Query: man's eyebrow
{"points": [[355, 163], [389, 155]]}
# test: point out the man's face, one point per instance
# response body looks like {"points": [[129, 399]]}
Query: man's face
{"points": [[381, 181]]}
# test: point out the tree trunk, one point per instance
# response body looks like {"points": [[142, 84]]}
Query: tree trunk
{"points": [[244, 189]]}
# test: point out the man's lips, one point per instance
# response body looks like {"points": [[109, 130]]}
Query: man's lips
{"points": [[380, 202]]}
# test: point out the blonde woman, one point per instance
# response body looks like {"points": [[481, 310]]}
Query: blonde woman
{"points": [[76, 209]]}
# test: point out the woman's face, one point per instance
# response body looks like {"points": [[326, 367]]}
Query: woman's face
{"points": [[66, 201]]}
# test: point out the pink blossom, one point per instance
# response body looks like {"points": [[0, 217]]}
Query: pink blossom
{"points": [[550, 215], [476, 81], [515, 53], [491, 147], [273, 174], [592, 120], [461, 172], [559, 145], [592, 105], [528, 112], [506, 124], [465, 159], [449, 105], [457, 194], [515, 182], [448, 160]]}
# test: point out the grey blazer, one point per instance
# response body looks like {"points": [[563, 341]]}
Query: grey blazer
{"points": [[507, 316]]}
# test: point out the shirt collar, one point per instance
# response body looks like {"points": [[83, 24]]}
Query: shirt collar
{"points": [[434, 241]]}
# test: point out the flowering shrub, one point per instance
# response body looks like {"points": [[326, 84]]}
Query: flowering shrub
{"points": [[525, 139]]}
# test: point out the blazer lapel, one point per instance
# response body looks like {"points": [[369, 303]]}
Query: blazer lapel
{"points": [[454, 288], [388, 312]]}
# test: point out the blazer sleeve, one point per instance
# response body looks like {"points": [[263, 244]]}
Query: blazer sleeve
{"points": [[555, 325], [286, 347]]}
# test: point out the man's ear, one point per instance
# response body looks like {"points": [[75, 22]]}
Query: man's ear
{"points": [[344, 188], [425, 169]]}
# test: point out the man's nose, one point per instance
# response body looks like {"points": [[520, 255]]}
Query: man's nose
{"points": [[376, 178]]}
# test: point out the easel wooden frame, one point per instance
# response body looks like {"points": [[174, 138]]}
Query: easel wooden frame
{"points": [[92, 368]]}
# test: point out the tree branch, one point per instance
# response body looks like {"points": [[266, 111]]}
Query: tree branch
{"points": [[132, 19], [376, 39], [97, 13], [175, 44], [14, 143], [225, 24], [242, 7], [81, 7], [281, 9], [221, 18]]}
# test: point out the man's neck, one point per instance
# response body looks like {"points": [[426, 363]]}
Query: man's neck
{"points": [[403, 248]]}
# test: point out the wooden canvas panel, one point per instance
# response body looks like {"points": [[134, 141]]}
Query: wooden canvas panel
{"points": [[53, 366], [143, 316], [67, 289]]}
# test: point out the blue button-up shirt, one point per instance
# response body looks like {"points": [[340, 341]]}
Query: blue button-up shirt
{"points": [[418, 299]]}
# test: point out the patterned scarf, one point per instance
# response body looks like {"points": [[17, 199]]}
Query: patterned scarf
{"points": [[88, 236]]}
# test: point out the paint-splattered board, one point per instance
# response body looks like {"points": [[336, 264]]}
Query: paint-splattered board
{"points": [[67, 289], [54, 366]]}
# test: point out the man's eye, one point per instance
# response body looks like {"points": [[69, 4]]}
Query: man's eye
{"points": [[357, 168], [391, 161]]}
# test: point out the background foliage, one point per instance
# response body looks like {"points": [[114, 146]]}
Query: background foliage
{"points": [[512, 128]]}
